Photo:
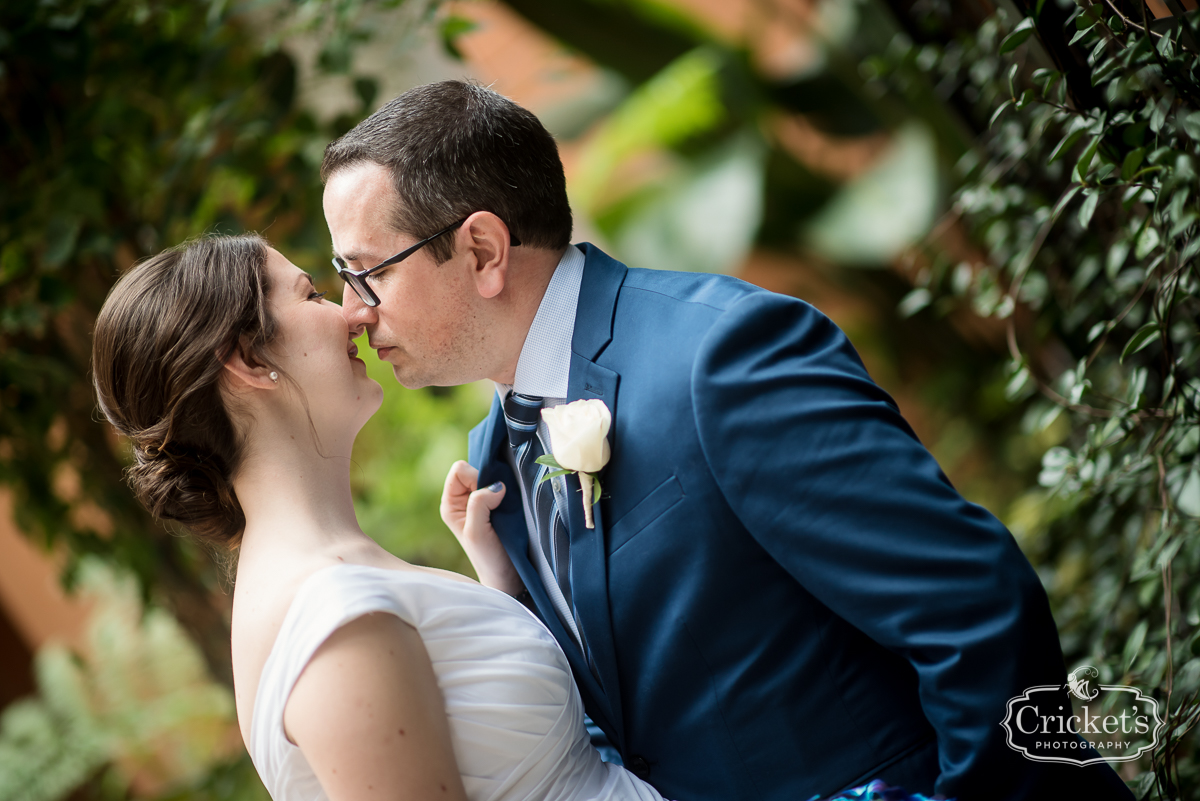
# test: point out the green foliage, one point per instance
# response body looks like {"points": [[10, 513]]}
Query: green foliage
{"points": [[48, 745], [230, 781], [401, 458], [148, 123], [1082, 198], [688, 172], [140, 703], [680, 102], [340, 27], [451, 28], [884, 210], [671, 177], [130, 126]]}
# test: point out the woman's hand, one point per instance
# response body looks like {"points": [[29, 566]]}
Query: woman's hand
{"points": [[467, 510]]}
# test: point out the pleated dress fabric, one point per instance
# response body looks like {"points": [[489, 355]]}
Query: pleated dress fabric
{"points": [[516, 720]]}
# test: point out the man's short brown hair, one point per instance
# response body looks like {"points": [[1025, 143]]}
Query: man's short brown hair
{"points": [[454, 148]]}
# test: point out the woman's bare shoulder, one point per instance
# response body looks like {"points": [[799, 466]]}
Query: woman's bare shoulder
{"points": [[369, 717], [261, 601]]}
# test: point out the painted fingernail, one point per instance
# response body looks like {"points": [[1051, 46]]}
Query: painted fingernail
{"points": [[499, 485]]}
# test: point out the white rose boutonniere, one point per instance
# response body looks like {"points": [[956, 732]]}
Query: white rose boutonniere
{"points": [[579, 444]]}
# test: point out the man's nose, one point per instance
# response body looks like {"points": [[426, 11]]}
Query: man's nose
{"points": [[358, 314]]}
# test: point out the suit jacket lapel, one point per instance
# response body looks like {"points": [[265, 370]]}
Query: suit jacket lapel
{"points": [[602, 279], [509, 521], [589, 554]]}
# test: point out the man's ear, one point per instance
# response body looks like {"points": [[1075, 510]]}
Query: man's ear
{"points": [[244, 371], [488, 241]]}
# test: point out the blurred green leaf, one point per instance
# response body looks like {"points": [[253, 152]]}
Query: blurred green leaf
{"points": [[1066, 199], [366, 89], [1087, 17], [1088, 207], [452, 27], [1083, 166], [1188, 499], [1143, 337], [1065, 145], [1003, 107], [914, 301], [679, 103], [1147, 241], [1025, 28], [885, 209], [61, 234], [1133, 160], [705, 218], [1190, 121], [1133, 646]]}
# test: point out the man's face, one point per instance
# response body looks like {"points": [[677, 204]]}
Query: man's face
{"points": [[427, 324]]}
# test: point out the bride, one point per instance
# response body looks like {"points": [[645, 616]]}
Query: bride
{"points": [[357, 675]]}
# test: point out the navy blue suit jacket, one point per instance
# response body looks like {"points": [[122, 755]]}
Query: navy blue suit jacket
{"points": [[783, 594]]}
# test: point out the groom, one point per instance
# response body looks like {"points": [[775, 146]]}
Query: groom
{"points": [[782, 595]]}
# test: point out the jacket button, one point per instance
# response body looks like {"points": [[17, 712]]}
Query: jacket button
{"points": [[639, 766]]}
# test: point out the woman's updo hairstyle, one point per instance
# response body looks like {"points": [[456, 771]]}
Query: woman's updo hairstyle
{"points": [[158, 352]]}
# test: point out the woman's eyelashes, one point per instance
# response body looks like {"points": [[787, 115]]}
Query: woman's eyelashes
{"points": [[314, 295]]}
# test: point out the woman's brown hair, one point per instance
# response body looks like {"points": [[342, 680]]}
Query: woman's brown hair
{"points": [[158, 352]]}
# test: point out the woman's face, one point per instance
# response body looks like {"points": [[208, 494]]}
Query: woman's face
{"points": [[313, 347]]}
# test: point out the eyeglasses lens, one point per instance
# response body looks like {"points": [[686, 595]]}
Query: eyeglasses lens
{"points": [[356, 282]]}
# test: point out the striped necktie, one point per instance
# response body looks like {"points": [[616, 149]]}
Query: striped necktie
{"points": [[522, 414]]}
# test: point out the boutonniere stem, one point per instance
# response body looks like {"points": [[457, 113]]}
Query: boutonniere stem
{"points": [[588, 483]]}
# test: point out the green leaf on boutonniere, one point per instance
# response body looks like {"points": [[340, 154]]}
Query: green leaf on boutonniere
{"points": [[549, 461], [595, 491], [554, 474]]}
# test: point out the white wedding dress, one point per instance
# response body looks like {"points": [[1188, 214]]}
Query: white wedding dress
{"points": [[516, 720]]}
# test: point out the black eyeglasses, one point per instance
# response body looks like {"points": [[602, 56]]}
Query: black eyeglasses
{"points": [[357, 279]]}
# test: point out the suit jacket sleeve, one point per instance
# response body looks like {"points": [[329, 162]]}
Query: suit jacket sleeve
{"points": [[825, 474]]}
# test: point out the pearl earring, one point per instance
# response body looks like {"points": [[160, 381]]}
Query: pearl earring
{"points": [[275, 376]]}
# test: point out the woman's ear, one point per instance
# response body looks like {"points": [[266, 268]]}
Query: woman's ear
{"points": [[244, 370]]}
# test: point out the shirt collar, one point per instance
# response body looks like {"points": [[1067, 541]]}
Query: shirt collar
{"points": [[544, 366]]}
